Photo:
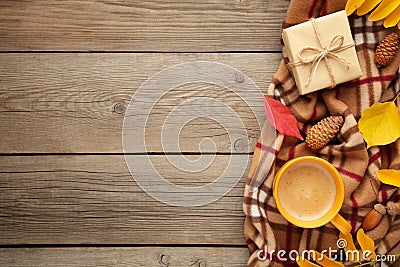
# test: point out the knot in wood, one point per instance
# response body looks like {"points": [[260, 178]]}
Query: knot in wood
{"points": [[199, 263], [163, 259], [240, 145], [119, 108], [239, 77]]}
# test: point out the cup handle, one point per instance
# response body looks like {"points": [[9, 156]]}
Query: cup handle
{"points": [[340, 223]]}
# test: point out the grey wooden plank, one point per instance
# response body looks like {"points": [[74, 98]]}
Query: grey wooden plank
{"points": [[75, 102], [158, 25], [125, 256], [93, 199]]}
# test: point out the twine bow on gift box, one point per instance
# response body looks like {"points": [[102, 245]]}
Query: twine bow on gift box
{"points": [[322, 53]]}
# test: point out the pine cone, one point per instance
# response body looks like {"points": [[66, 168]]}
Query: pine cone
{"points": [[323, 132], [386, 50]]}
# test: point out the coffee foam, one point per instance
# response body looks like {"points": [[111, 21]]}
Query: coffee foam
{"points": [[307, 191]]}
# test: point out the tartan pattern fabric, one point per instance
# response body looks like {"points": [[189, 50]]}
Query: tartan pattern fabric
{"points": [[264, 226]]}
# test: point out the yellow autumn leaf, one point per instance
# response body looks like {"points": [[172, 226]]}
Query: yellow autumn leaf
{"points": [[381, 9], [366, 243], [352, 5], [392, 19], [384, 9], [380, 124], [367, 6], [391, 177]]}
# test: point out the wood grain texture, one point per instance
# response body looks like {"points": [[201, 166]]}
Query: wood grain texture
{"points": [[92, 199], [161, 26], [124, 256], [75, 102]]}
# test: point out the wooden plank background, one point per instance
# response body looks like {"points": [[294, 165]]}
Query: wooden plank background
{"points": [[50, 102], [154, 26], [123, 256], [68, 69], [93, 199]]}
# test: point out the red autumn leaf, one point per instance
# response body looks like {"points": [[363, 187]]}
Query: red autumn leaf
{"points": [[279, 116]]}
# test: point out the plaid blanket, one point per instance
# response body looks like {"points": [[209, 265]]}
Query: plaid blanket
{"points": [[265, 228]]}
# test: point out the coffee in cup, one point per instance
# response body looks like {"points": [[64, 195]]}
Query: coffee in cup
{"points": [[309, 193]]}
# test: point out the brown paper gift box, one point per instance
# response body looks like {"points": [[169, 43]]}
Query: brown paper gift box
{"points": [[321, 52]]}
